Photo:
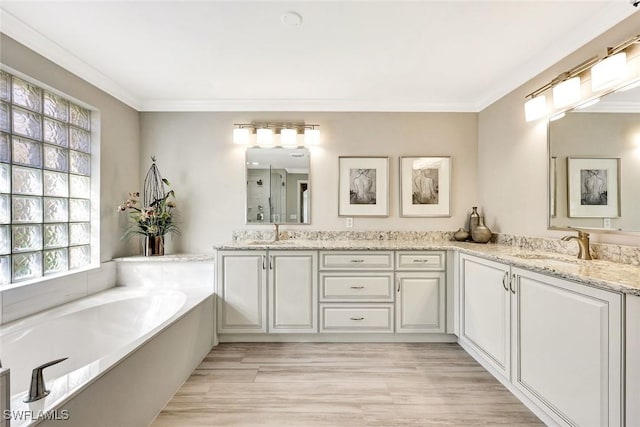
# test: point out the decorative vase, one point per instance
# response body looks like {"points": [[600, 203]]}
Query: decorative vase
{"points": [[474, 220], [481, 234], [461, 235], [153, 245]]}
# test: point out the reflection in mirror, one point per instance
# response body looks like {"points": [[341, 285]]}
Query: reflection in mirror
{"points": [[278, 189], [594, 165]]}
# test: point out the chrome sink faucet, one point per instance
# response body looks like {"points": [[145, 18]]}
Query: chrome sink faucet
{"points": [[276, 232], [583, 244]]}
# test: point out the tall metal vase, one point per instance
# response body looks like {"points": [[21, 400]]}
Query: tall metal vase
{"points": [[153, 245], [474, 220]]}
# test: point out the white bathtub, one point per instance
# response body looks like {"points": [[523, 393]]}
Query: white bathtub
{"points": [[97, 334]]}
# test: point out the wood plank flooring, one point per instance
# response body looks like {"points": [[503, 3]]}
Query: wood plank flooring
{"points": [[342, 384]]}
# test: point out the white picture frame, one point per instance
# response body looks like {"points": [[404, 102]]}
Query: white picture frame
{"points": [[593, 187], [363, 186], [425, 186]]}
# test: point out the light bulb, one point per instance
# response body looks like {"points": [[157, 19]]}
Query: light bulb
{"points": [[535, 108], [311, 136], [241, 136], [609, 71], [288, 137], [265, 136], [567, 92]]}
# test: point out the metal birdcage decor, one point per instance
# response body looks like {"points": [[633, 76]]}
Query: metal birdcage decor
{"points": [[154, 218]]}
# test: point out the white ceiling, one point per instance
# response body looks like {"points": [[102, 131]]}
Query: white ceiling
{"points": [[346, 56]]}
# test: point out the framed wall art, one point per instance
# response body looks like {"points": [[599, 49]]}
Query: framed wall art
{"points": [[593, 187], [363, 186], [425, 186]]}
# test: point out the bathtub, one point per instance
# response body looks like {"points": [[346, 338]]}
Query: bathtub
{"points": [[103, 337]]}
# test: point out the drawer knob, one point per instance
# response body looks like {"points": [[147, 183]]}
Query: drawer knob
{"points": [[357, 287], [357, 260], [357, 318]]}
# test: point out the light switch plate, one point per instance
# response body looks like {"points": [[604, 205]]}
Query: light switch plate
{"points": [[606, 222], [349, 223]]}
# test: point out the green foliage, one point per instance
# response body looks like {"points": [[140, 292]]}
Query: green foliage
{"points": [[153, 220]]}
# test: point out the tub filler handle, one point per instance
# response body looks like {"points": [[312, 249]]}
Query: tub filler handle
{"points": [[37, 389]]}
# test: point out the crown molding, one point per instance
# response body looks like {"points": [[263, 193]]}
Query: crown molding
{"points": [[36, 41], [610, 15], [330, 105]]}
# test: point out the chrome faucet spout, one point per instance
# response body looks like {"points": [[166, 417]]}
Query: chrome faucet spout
{"points": [[276, 232], [37, 389]]}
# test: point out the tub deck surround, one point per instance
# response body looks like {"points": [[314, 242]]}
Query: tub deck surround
{"points": [[548, 256], [110, 316]]}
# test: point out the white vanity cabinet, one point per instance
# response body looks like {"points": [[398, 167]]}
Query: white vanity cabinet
{"points": [[556, 342], [263, 291], [485, 310], [242, 291], [293, 291], [421, 289], [356, 292]]}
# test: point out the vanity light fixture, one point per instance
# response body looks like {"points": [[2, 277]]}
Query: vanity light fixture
{"points": [[605, 73], [241, 135], [270, 134], [566, 92], [609, 71], [288, 137], [264, 136], [535, 108], [311, 135]]}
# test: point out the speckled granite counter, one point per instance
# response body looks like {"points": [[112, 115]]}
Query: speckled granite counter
{"points": [[603, 274]]}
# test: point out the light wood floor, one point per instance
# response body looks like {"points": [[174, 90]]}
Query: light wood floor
{"points": [[320, 384]]}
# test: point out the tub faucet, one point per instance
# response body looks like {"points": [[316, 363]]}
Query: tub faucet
{"points": [[37, 389], [583, 244]]}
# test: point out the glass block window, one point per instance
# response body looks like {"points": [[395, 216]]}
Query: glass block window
{"points": [[45, 182]]}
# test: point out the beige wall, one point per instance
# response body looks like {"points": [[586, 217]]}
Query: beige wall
{"points": [[195, 153], [512, 154], [119, 160]]}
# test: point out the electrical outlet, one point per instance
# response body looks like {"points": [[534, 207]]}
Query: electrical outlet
{"points": [[606, 222], [349, 222]]}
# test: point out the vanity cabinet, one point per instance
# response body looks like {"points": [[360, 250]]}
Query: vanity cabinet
{"points": [[421, 289], [356, 292], [256, 285], [242, 291], [558, 343], [293, 291]]}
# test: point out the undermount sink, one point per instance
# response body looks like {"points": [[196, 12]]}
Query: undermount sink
{"points": [[545, 257], [265, 242]]}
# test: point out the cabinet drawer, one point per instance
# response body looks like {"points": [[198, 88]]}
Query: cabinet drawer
{"points": [[350, 287], [356, 318], [420, 260], [332, 260]]}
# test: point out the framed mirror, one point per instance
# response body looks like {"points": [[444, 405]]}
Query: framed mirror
{"points": [[594, 165], [278, 190]]}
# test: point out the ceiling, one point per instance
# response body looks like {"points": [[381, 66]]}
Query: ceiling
{"points": [[345, 55]]}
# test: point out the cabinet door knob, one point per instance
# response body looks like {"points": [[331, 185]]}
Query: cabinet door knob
{"points": [[271, 262], [357, 287], [264, 265], [398, 284], [357, 318], [512, 285], [504, 281]]}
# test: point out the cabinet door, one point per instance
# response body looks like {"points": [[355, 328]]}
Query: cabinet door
{"points": [[242, 287], [567, 348], [293, 291], [485, 310], [420, 305]]}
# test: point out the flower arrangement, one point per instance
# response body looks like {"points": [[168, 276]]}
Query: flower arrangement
{"points": [[153, 217], [153, 220]]}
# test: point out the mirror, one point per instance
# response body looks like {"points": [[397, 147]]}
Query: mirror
{"points": [[278, 189], [594, 165]]}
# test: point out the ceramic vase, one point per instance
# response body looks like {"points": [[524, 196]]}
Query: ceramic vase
{"points": [[461, 235], [474, 220], [481, 234]]}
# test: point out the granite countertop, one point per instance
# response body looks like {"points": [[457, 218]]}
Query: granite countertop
{"points": [[606, 275]]}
